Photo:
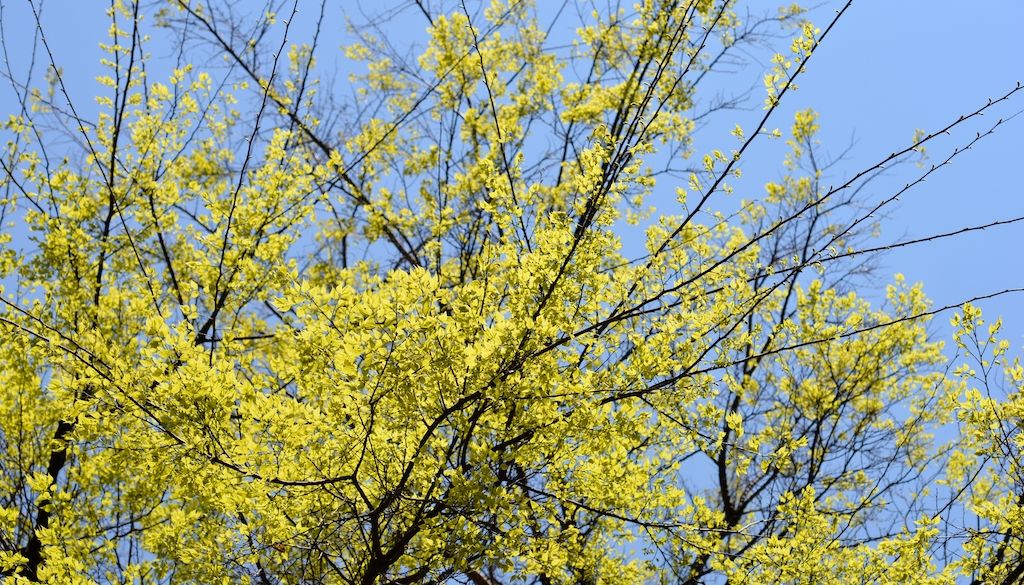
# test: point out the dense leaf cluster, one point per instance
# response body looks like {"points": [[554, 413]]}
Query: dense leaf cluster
{"points": [[255, 331]]}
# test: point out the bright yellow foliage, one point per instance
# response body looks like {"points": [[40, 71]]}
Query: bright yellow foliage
{"points": [[250, 338]]}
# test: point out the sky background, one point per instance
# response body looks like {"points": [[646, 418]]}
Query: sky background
{"points": [[888, 68], [891, 67]]}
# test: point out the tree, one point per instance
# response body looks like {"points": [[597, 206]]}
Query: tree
{"points": [[258, 332]]}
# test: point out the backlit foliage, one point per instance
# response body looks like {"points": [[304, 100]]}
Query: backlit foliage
{"points": [[259, 329]]}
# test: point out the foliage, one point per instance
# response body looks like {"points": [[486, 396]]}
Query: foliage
{"points": [[254, 332]]}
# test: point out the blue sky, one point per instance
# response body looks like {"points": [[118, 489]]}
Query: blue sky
{"points": [[892, 67], [888, 68]]}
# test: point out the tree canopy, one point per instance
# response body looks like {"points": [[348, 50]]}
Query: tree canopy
{"points": [[262, 326]]}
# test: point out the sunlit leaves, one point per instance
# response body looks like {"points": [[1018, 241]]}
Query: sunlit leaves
{"points": [[251, 337]]}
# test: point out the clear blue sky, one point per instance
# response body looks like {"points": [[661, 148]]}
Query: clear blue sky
{"points": [[895, 66], [888, 68]]}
